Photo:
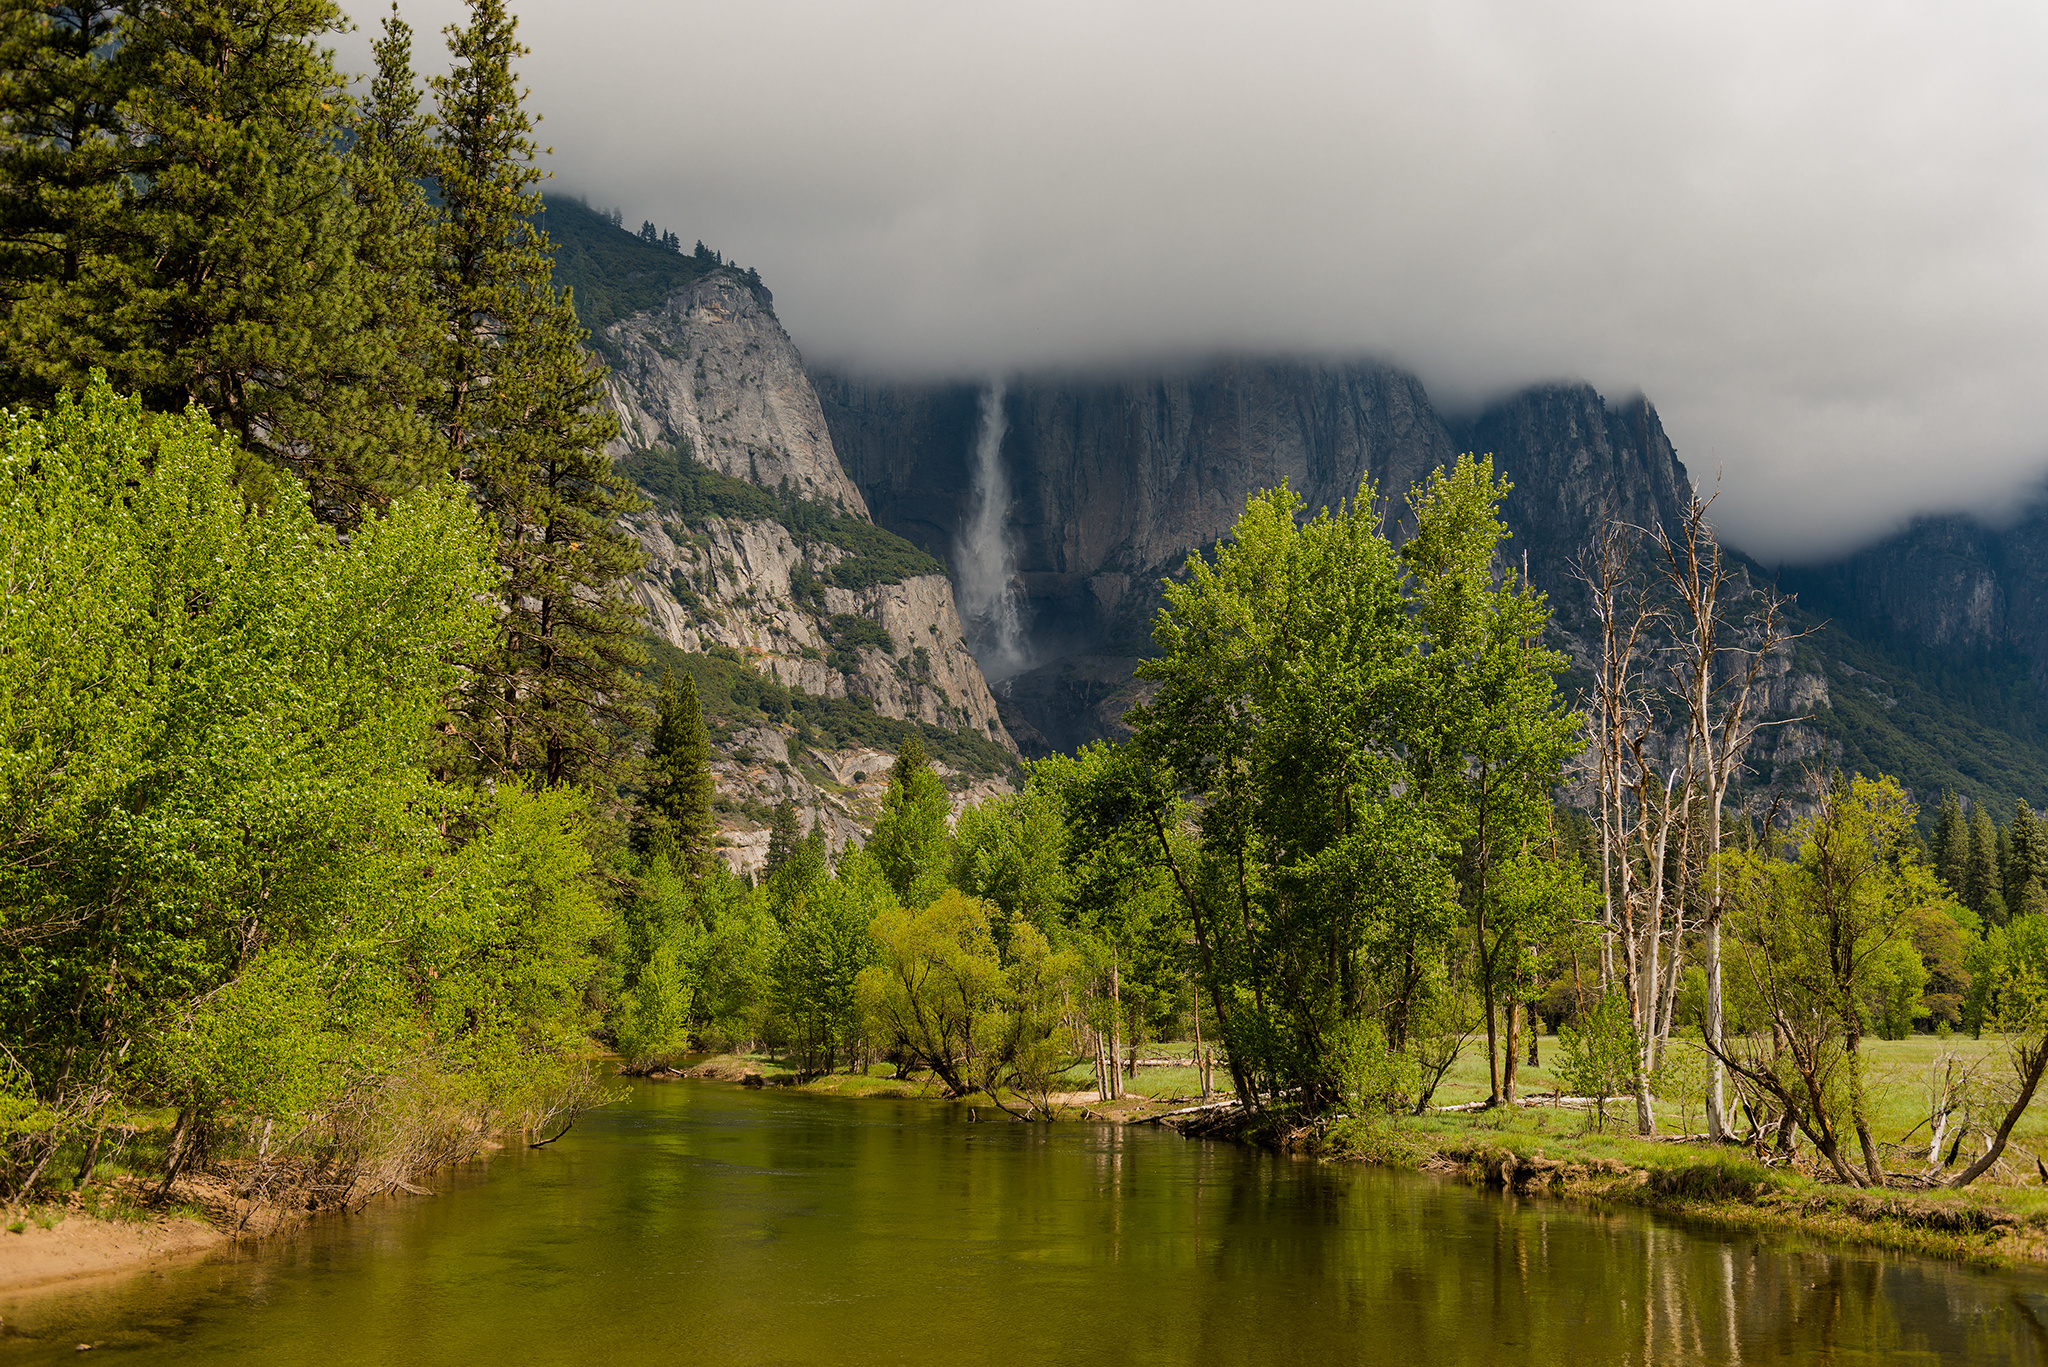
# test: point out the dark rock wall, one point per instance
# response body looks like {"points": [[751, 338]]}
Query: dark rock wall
{"points": [[1950, 584], [1113, 480]]}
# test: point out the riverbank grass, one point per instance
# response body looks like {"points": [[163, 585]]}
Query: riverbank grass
{"points": [[2002, 1219]]}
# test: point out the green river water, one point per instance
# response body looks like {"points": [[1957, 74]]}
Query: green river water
{"points": [[698, 1223]]}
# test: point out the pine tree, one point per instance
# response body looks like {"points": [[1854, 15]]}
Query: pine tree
{"points": [[675, 808], [1981, 877], [796, 861], [387, 166], [521, 411], [911, 761], [60, 148], [2023, 863], [198, 239], [784, 836], [1952, 844]]}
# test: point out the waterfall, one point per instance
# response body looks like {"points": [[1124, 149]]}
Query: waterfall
{"points": [[986, 559]]}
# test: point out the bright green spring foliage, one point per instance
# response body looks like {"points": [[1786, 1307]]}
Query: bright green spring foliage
{"points": [[818, 957], [910, 841], [520, 409], [1369, 735], [937, 980], [1821, 954], [228, 886], [1492, 731]]}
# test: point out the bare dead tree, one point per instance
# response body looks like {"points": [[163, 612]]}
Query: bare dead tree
{"points": [[1725, 629], [1643, 801]]}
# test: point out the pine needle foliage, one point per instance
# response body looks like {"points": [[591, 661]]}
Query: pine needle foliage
{"points": [[675, 807], [520, 409], [179, 215]]}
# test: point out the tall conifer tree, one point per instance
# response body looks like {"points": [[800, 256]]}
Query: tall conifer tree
{"points": [[519, 406], [387, 165], [785, 836], [2023, 858], [192, 233], [675, 809], [60, 150], [1981, 881], [1952, 844]]}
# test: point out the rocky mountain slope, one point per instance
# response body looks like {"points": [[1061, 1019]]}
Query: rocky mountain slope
{"points": [[1112, 478], [818, 641], [804, 522]]}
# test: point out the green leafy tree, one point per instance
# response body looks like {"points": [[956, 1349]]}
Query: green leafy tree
{"points": [[1024, 1045], [1825, 947], [819, 957], [1491, 733], [521, 411], [910, 840], [934, 986], [215, 716], [1013, 851], [1120, 912], [1600, 1055], [1289, 674]]}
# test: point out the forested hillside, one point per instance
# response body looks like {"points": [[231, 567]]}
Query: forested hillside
{"points": [[320, 675]]}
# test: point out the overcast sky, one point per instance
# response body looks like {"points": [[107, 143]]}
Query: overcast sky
{"points": [[1816, 235]]}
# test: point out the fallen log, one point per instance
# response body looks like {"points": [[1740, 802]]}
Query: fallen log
{"points": [[1186, 1110], [1583, 1103]]}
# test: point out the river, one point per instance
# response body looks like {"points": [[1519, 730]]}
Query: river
{"points": [[698, 1223]]}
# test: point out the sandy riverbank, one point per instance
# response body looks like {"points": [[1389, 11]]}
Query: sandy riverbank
{"points": [[80, 1246]]}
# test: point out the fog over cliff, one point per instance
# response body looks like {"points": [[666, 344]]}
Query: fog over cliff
{"points": [[1816, 234]]}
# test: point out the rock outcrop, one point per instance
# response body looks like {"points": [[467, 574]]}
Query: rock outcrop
{"points": [[711, 374], [1114, 479], [712, 368], [728, 583], [1949, 583]]}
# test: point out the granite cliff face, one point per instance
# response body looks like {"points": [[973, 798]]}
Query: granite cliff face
{"points": [[1575, 461], [729, 584], [712, 368], [1113, 479], [709, 377], [1946, 583]]}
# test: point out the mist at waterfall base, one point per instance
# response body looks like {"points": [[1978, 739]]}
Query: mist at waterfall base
{"points": [[984, 557]]}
